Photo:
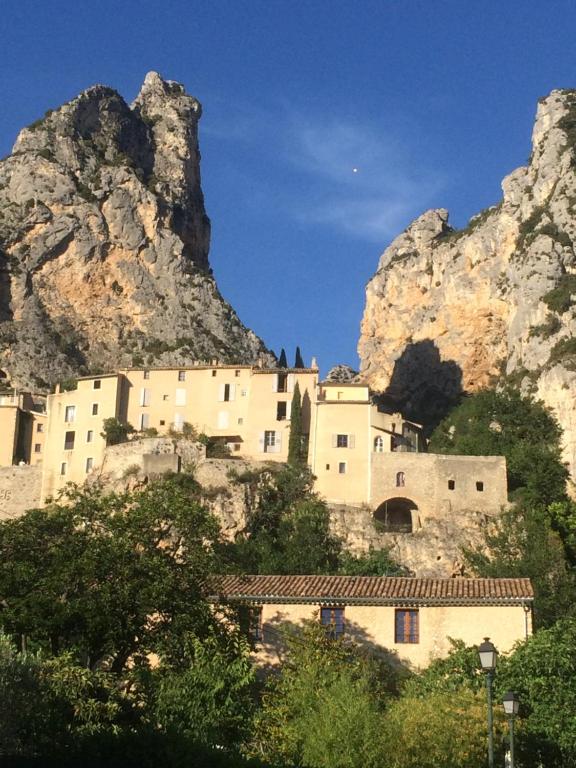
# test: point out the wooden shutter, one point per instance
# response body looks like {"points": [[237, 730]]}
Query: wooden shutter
{"points": [[180, 397], [278, 443], [232, 392], [351, 441], [261, 445], [288, 409], [291, 378], [221, 393], [144, 396], [275, 383], [334, 441]]}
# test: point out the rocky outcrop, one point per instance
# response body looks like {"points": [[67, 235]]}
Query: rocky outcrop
{"points": [[459, 310], [341, 373], [104, 242]]}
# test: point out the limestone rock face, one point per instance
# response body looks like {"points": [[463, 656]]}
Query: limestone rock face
{"points": [[104, 242], [459, 310]]}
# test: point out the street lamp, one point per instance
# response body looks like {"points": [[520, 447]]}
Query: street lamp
{"points": [[488, 658], [511, 706]]}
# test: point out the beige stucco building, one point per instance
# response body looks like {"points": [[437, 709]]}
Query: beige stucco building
{"points": [[363, 457], [22, 429], [413, 618]]}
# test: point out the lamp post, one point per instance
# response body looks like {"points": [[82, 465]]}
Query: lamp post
{"points": [[511, 706], [488, 658]]}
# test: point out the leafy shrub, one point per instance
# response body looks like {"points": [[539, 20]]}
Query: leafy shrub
{"points": [[546, 329], [114, 431], [564, 349], [559, 299]]}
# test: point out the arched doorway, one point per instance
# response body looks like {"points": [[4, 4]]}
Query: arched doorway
{"points": [[395, 515]]}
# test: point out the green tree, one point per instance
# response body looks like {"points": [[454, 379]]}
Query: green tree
{"points": [[324, 706], [298, 360], [523, 543], [115, 431], [446, 729], [296, 447], [542, 671], [510, 425], [208, 697], [282, 363], [375, 562], [109, 576]]}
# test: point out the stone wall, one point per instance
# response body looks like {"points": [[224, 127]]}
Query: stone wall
{"points": [[19, 490], [426, 479]]}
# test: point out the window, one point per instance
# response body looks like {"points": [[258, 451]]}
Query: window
{"points": [[95, 407], [165, 397], [39, 427], [37, 448], [240, 420], [70, 413], [479, 485], [181, 375], [341, 441], [144, 397], [342, 468], [146, 374], [162, 422], [226, 392], [213, 373], [244, 392], [236, 373], [282, 382], [89, 464], [281, 410], [327, 466], [97, 384], [400, 480], [63, 468], [89, 436], [406, 626], [69, 441], [269, 439], [144, 420], [250, 620], [333, 619], [451, 485], [378, 444]]}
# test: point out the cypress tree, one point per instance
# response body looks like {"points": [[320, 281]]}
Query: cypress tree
{"points": [[282, 363], [295, 451], [299, 362]]}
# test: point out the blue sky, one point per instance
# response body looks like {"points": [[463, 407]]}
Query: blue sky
{"points": [[432, 101]]}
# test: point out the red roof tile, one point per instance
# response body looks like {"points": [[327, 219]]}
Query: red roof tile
{"points": [[373, 589]]}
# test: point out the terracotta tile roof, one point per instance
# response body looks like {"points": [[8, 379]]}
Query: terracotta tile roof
{"points": [[371, 589]]}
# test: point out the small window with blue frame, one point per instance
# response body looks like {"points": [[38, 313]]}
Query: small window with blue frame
{"points": [[332, 617], [250, 621]]}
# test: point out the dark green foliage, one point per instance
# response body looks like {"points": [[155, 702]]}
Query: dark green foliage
{"points": [[68, 385], [375, 562], [559, 299], [542, 672], [115, 431], [548, 328], [519, 428], [563, 352], [523, 543], [282, 363], [298, 360], [86, 575], [297, 450]]}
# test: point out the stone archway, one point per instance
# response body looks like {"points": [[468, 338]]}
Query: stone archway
{"points": [[395, 515]]}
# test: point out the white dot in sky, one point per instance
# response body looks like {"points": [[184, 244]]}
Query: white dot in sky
{"points": [[354, 170]]}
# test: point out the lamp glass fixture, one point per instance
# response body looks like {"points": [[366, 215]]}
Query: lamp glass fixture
{"points": [[488, 655], [511, 703]]}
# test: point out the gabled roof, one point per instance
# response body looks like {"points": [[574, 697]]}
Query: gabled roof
{"points": [[374, 590]]}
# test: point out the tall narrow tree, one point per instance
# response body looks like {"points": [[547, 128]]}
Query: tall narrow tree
{"points": [[299, 362], [295, 451], [282, 362]]}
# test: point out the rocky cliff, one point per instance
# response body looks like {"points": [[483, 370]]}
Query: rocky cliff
{"points": [[104, 241], [458, 310]]}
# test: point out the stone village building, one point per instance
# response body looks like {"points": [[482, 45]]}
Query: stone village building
{"points": [[411, 617], [362, 456]]}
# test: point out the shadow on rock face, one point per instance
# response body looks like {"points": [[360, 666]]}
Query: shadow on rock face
{"points": [[423, 386]]}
